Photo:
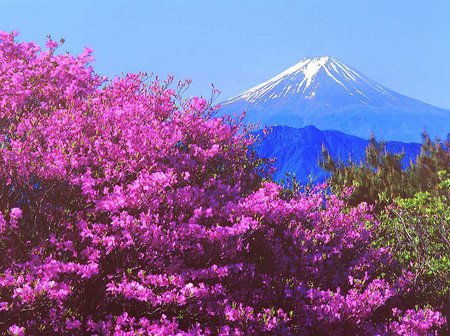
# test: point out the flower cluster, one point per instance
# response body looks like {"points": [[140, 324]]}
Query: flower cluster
{"points": [[126, 209]]}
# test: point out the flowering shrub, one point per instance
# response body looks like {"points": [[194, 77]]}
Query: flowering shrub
{"points": [[126, 210]]}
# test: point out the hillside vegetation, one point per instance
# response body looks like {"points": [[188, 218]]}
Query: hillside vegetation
{"points": [[412, 207], [126, 209]]}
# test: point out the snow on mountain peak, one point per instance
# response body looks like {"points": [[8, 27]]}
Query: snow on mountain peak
{"points": [[309, 66], [300, 79], [324, 92]]}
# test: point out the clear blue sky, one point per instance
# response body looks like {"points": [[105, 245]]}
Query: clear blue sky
{"points": [[236, 44]]}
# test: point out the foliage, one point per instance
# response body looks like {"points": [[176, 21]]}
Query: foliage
{"points": [[126, 210], [380, 178], [412, 206], [417, 230], [432, 166]]}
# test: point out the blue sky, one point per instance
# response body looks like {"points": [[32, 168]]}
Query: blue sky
{"points": [[402, 44]]}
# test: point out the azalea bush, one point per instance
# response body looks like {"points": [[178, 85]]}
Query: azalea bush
{"points": [[126, 209]]}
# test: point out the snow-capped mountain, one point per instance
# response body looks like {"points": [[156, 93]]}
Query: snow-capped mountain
{"points": [[330, 95]]}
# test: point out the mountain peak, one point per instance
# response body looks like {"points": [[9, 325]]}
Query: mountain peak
{"points": [[309, 66], [318, 61], [305, 77], [325, 92]]}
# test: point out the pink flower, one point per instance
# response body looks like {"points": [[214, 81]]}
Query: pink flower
{"points": [[15, 215], [16, 330], [50, 44], [72, 324], [2, 223]]}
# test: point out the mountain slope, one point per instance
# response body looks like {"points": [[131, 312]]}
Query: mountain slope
{"points": [[326, 93], [297, 150]]}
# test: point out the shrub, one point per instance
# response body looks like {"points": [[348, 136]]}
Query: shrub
{"points": [[380, 178], [125, 209], [417, 230]]}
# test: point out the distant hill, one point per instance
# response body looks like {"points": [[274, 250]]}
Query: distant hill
{"points": [[298, 150], [330, 95]]}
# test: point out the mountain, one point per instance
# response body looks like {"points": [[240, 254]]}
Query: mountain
{"points": [[297, 150], [330, 95]]}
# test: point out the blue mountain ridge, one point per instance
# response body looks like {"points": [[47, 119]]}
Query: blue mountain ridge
{"points": [[298, 150]]}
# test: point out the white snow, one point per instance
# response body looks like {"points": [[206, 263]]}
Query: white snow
{"points": [[300, 79], [336, 80], [328, 94]]}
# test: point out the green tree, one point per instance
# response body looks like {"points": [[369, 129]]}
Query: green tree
{"points": [[380, 178], [417, 230]]}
